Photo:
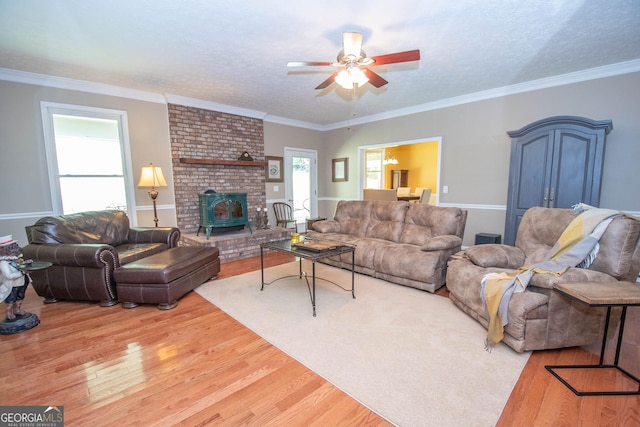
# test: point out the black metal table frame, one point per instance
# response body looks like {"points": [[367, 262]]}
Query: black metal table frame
{"points": [[313, 257], [601, 364]]}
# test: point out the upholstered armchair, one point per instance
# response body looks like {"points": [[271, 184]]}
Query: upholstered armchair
{"points": [[85, 249], [541, 317]]}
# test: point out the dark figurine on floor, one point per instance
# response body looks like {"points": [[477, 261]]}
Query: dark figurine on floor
{"points": [[13, 285]]}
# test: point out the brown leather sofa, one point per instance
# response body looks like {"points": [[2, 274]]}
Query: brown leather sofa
{"points": [[85, 249], [541, 317], [400, 242]]}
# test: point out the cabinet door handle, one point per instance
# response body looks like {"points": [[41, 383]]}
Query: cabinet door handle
{"points": [[546, 196], [553, 191]]}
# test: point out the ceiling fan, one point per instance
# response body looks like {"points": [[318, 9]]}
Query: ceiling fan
{"points": [[352, 62]]}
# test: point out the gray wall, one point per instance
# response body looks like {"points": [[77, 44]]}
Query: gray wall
{"points": [[25, 194], [475, 148]]}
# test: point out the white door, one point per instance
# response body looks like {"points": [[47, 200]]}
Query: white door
{"points": [[301, 183]]}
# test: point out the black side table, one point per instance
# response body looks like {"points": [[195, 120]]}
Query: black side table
{"points": [[602, 294]]}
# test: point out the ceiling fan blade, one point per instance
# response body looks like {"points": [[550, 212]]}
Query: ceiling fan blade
{"points": [[352, 44], [308, 64], [374, 79], [392, 58], [327, 82]]}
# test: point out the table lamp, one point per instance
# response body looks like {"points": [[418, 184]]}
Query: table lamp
{"points": [[152, 176]]}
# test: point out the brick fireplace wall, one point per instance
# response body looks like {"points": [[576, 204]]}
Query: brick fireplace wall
{"points": [[204, 134]]}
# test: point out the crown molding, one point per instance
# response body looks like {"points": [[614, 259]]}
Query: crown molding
{"points": [[548, 82], [99, 88], [294, 123], [224, 108], [214, 106], [79, 85]]}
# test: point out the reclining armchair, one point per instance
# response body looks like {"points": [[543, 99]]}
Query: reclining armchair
{"points": [[542, 317], [85, 249]]}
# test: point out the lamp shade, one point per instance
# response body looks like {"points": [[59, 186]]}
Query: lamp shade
{"points": [[152, 176]]}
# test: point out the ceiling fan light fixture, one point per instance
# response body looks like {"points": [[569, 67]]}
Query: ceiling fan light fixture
{"points": [[344, 79], [351, 58], [357, 76], [351, 43], [350, 77]]}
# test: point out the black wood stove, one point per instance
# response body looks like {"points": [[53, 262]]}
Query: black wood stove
{"points": [[222, 212]]}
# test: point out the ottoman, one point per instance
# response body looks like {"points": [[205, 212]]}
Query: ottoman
{"points": [[164, 277]]}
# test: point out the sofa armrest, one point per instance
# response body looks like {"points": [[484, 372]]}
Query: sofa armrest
{"points": [[327, 226], [573, 274], [73, 254], [523, 303], [168, 235], [442, 243], [496, 255]]}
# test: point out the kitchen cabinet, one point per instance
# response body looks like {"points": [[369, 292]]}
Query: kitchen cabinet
{"points": [[399, 178]]}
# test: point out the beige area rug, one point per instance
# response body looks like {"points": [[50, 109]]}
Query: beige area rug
{"points": [[410, 356]]}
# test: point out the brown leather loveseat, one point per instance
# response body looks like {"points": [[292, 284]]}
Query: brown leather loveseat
{"points": [[85, 249], [541, 317]]}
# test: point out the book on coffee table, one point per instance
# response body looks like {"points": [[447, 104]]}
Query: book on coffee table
{"points": [[316, 245]]}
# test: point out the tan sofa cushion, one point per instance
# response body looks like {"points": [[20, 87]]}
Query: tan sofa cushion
{"points": [[496, 255], [617, 247], [353, 216], [541, 227], [442, 243], [539, 231], [547, 281], [387, 220], [328, 226], [424, 222]]}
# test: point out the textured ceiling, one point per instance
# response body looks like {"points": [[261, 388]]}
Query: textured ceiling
{"points": [[235, 52]]}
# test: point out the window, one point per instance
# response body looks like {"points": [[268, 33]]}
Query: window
{"points": [[86, 157], [373, 168]]}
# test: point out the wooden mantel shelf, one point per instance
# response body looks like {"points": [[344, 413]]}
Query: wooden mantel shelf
{"points": [[221, 162]]}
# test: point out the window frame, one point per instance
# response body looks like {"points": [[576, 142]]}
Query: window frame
{"points": [[48, 109], [367, 170]]}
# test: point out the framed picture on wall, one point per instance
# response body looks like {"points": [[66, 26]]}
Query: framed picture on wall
{"points": [[273, 169], [340, 169]]}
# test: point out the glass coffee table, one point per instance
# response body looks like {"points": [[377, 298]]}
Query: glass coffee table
{"points": [[312, 250]]}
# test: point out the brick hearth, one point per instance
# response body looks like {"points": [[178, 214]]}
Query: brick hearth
{"points": [[238, 244]]}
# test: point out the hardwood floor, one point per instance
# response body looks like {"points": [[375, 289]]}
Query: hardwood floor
{"points": [[194, 365]]}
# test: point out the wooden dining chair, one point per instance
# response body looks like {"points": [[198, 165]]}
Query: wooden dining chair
{"points": [[425, 196], [284, 215], [404, 191]]}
